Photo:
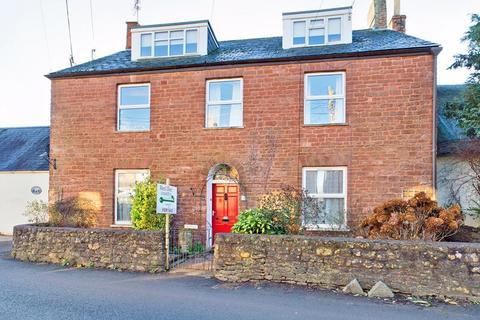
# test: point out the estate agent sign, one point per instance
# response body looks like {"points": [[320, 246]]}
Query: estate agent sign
{"points": [[166, 199]]}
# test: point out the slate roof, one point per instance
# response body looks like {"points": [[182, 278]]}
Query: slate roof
{"points": [[364, 42], [24, 149]]}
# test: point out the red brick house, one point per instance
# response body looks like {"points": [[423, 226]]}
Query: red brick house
{"points": [[347, 115]]}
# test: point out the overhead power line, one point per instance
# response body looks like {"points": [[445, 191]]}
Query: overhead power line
{"points": [[93, 33], [72, 62]]}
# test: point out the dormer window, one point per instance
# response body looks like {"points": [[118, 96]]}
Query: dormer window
{"points": [[316, 28], [169, 43], [173, 40]]}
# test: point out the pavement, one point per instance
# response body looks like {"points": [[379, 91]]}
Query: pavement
{"points": [[41, 291]]}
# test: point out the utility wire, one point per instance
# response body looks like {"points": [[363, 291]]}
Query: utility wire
{"points": [[72, 62], [93, 34]]}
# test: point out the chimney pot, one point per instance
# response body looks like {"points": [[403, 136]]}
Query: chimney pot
{"points": [[377, 15], [398, 23], [130, 25]]}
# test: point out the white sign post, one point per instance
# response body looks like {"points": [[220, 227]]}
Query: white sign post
{"points": [[166, 204]]}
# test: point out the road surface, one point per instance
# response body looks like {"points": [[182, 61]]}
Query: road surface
{"points": [[39, 291]]}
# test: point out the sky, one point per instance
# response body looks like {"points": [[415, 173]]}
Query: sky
{"points": [[34, 37]]}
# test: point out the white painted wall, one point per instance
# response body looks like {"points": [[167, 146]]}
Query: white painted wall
{"points": [[452, 175], [15, 192]]}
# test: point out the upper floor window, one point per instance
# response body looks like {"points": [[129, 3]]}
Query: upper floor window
{"points": [[224, 103], [169, 43], [327, 187], [133, 107], [324, 98], [317, 31]]}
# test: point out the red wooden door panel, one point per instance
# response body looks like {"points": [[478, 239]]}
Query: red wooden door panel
{"points": [[225, 207]]}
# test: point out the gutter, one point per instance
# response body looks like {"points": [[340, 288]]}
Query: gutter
{"points": [[332, 56], [435, 52]]}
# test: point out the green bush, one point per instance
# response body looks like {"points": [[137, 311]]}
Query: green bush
{"points": [[257, 221], [144, 207]]}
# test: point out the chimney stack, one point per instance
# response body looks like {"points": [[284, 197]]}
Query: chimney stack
{"points": [[130, 25], [398, 22], [377, 15]]}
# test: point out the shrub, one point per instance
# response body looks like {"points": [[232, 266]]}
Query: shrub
{"points": [[418, 218], [144, 207], [256, 221], [36, 211], [72, 212]]}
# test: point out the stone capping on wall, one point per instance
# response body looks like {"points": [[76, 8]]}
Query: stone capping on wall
{"points": [[122, 249], [411, 267]]}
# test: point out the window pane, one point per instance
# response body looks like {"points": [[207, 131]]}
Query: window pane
{"points": [[334, 211], [325, 85], [224, 91], [146, 45], [176, 47], [125, 186], [176, 34], [134, 119], [228, 115], [311, 182], [317, 36], [134, 95], [328, 211], [333, 181], [161, 36], [191, 41], [161, 48], [324, 111], [334, 29], [317, 23], [299, 32]]}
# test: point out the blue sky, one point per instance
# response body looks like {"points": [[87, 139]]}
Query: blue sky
{"points": [[34, 36]]}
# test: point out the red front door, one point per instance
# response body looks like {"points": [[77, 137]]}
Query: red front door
{"points": [[225, 207]]}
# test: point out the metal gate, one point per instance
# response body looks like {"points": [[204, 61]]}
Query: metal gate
{"points": [[188, 249]]}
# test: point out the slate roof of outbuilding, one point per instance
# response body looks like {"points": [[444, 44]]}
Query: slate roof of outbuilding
{"points": [[364, 42], [24, 149]]}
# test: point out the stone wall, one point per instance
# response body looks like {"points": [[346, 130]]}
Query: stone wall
{"points": [[122, 249], [418, 268]]}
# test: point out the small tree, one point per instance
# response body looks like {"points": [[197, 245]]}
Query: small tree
{"points": [[144, 207], [466, 109], [36, 211]]}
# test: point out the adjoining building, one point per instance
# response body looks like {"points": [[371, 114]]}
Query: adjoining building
{"points": [[24, 166], [455, 177], [347, 115]]}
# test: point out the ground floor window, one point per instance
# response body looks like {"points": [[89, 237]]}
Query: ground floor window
{"points": [[124, 185], [327, 186]]}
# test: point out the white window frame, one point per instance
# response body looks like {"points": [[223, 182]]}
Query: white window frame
{"points": [[222, 102], [343, 195], [169, 39], [307, 97], [136, 106], [325, 27], [117, 172]]}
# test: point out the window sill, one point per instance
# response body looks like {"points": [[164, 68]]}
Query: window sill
{"points": [[132, 131], [219, 128], [120, 225], [327, 125]]}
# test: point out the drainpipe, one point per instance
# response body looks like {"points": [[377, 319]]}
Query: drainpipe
{"points": [[435, 52]]}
